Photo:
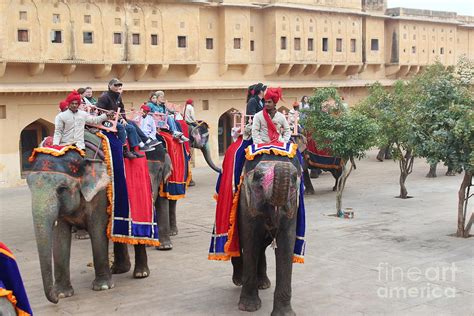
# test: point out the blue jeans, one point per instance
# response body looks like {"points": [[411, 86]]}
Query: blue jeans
{"points": [[127, 131], [172, 124]]}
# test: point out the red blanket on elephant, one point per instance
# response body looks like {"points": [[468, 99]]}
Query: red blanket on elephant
{"points": [[178, 181], [185, 130]]}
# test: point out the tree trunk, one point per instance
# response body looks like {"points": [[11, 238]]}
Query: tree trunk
{"points": [[341, 184], [432, 172], [406, 167], [403, 189], [463, 196]]}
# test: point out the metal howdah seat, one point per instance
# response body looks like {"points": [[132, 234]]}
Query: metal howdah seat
{"points": [[240, 120]]}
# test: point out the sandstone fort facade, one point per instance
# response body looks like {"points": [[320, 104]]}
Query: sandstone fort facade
{"points": [[209, 51]]}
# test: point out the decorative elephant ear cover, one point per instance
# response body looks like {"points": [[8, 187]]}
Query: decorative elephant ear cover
{"points": [[11, 284]]}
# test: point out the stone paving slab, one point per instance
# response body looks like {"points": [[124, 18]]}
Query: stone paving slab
{"points": [[348, 262]]}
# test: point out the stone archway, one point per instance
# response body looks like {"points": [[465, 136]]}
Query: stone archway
{"points": [[30, 137], [226, 121]]}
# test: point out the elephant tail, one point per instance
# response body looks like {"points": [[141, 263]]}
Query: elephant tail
{"points": [[281, 184]]}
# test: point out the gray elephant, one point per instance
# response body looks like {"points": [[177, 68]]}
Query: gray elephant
{"points": [[159, 166], [6, 307], [267, 214], [70, 190], [199, 139], [65, 191]]}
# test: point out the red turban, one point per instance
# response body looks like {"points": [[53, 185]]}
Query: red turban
{"points": [[145, 107], [73, 96], [189, 101], [63, 105], [274, 94]]}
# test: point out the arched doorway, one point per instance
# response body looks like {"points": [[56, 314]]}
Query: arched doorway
{"points": [[30, 137], [226, 122]]}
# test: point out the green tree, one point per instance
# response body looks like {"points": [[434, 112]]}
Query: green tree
{"points": [[443, 127], [392, 112], [347, 134]]}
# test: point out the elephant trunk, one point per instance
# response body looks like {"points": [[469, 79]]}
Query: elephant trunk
{"points": [[206, 151], [45, 214], [281, 184]]}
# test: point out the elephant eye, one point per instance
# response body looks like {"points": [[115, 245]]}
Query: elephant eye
{"points": [[61, 189]]}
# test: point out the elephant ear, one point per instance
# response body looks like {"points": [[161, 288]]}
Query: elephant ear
{"points": [[94, 178]]}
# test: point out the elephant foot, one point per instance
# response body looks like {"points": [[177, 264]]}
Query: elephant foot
{"points": [[450, 173], [250, 304], [102, 284], [283, 311], [141, 272], [82, 234], [431, 175], [63, 291], [263, 283], [237, 279], [314, 174], [192, 183], [165, 245], [174, 231], [309, 191], [118, 268]]}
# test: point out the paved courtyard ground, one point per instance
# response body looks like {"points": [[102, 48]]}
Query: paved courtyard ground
{"points": [[395, 257]]}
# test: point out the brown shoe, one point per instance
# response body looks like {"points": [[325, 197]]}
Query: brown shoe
{"points": [[137, 155], [128, 154]]}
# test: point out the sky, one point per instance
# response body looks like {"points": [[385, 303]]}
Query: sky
{"points": [[463, 7]]}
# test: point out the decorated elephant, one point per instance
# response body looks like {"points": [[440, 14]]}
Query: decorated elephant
{"points": [[166, 202], [269, 201], [65, 191], [315, 161], [70, 190], [159, 166], [199, 139]]}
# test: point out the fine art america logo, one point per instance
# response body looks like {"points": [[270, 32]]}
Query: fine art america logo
{"points": [[414, 282]]}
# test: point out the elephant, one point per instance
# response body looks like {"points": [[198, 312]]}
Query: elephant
{"points": [[70, 190], [199, 139], [267, 213], [308, 166], [65, 191], [6, 307]]}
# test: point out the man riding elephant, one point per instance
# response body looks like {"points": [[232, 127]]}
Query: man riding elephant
{"points": [[266, 208]]}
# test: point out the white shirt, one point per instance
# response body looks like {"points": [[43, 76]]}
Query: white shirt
{"points": [[69, 127], [148, 127], [189, 114], [260, 130]]}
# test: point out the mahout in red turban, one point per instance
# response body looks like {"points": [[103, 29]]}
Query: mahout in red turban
{"points": [[275, 94]]}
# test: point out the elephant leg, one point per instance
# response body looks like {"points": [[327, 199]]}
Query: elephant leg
{"points": [[162, 207], [237, 266], [263, 280], [62, 256], [141, 263], [100, 253], [336, 174], [6, 307], [251, 244], [121, 259], [314, 174], [284, 266], [173, 225], [309, 190]]}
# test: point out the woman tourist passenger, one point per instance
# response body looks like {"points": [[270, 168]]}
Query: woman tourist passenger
{"points": [[159, 106]]}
